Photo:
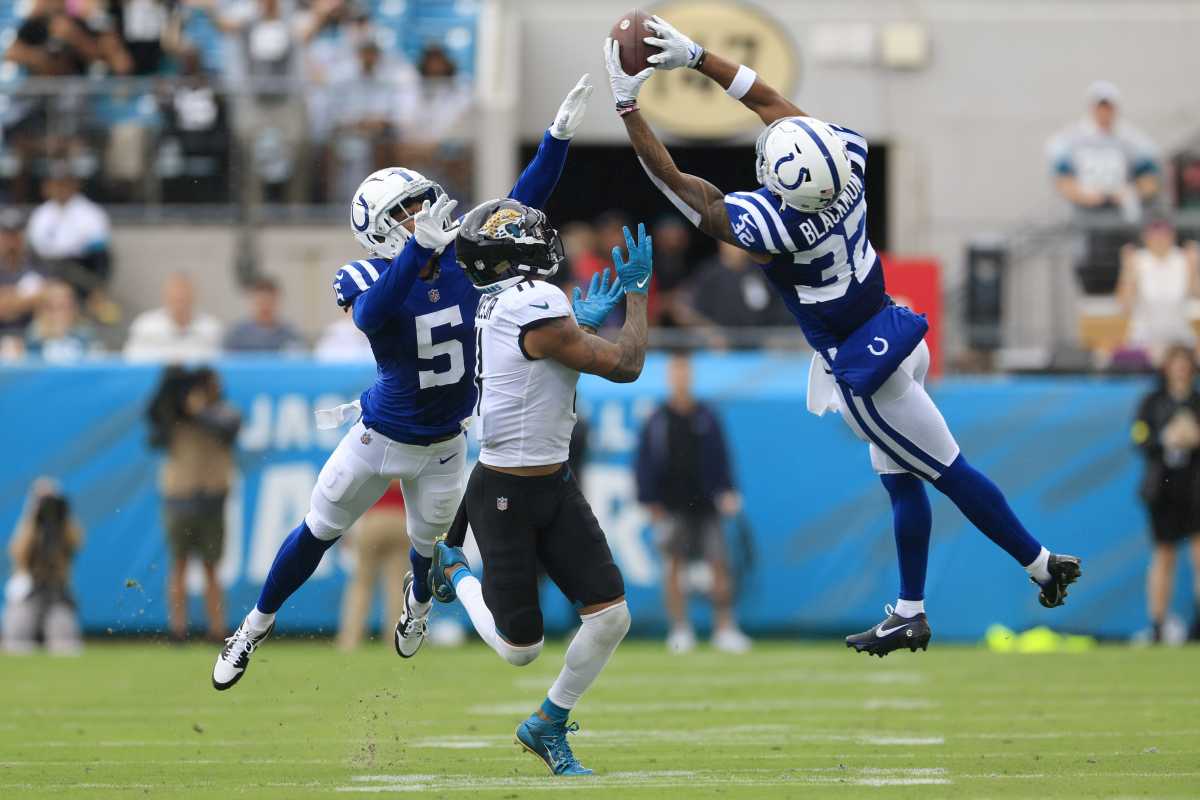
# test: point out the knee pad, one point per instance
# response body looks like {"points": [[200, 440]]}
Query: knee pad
{"points": [[609, 625], [328, 514], [522, 625], [431, 509], [321, 526], [520, 655]]}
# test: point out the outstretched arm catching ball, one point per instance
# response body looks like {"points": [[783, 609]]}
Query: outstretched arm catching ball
{"points": [[697, 199]]}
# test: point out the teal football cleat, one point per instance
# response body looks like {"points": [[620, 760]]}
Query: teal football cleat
{"points": [[441, 587], [547, 740]]}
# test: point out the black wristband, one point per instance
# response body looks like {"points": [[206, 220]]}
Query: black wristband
{"points": [[700, 60]]}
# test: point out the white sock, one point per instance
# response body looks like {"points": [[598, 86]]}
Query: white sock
{"points": [[909, 608], [418, 608], [470, 594], [597, 639], [1037, 568], [257, 621]]}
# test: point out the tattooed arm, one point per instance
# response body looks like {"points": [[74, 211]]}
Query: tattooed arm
{"points": [[581, 349]]}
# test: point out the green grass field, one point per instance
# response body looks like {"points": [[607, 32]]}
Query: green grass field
{"points": [[793, 720]]}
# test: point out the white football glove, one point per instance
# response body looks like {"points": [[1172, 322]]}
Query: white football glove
{"points": [[570, 113], [677, 49], [431, 225], [625, 88]]}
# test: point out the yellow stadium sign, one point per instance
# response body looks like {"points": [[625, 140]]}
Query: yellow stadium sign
{"points": [[688, 104]]}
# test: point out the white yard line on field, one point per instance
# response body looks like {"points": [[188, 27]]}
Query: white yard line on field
{"points": [[652, 779], [675, 680], [877, 704]]}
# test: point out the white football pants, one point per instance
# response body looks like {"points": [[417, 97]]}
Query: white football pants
{"points": [[905, 430], [360, 469]]}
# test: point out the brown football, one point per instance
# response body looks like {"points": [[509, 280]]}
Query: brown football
{"points": [[629, 31]]}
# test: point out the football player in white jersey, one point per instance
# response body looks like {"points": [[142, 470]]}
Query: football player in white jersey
{"points": [[522, 502], [806, 224]]}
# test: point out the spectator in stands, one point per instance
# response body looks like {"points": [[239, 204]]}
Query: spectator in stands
{"points": [[672, 268], [190, 419], [431, 116], [57, 333], [729, 291], [20, 284], [1157, 282], [176, 332], [380, 544], [264, 331], [685, 478], [195, 141], [271, 121], [332, 33], [1108, 171], [52, 42], [1167, 429], [39, 602], [364, 136], [1101, 163], [145, 28], [69, 235]]}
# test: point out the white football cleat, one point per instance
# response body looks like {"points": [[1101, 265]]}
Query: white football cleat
{"points": [[235, 655], [730, 640], [411, 627], [681, 640]]}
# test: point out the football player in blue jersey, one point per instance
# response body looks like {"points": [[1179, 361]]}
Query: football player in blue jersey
{"points": [[806, 224], [417, 309]]}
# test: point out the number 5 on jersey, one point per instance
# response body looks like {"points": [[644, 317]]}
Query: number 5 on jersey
{"points": [[427, 350]]}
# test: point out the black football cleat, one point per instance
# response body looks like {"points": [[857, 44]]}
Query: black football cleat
{"points": [[1064, 570], [893, 633]]}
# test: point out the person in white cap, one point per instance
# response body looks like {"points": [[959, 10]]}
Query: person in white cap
{"points": [[1101, 162], [1109, 172]]}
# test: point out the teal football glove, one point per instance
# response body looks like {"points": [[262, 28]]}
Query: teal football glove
{"points": [[591, 311], [634, 274]]}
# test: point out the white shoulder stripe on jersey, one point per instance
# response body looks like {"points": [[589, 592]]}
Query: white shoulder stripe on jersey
{"points": [[693, 216], [369, 268], [774, 216], [352, 271], [739, 199], [855, 158]]}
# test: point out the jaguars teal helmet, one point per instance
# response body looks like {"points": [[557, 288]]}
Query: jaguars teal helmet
{"points": [[502, 242]]}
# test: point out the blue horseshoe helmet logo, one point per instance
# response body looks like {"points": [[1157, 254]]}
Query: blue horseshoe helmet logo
{"points": [[801, 177], [366, 216]]}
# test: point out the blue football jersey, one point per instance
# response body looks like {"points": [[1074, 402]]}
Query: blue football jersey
{"points": [[823, 264], [424, 355], [422, 333]]}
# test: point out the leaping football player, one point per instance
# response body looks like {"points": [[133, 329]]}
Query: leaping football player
{"points": [[522, 502], [417, 309], [806, 225]]}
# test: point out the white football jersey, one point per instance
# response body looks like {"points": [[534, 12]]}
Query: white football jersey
{"points": [[526, 406]]}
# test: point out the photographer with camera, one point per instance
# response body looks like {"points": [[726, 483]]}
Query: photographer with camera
{"points": [[38, 598], [191, 421]]}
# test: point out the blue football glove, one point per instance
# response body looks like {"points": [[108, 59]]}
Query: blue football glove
{"points": [[634, 275], [592, 310]]}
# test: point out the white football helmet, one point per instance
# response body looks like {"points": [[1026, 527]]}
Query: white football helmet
{"points": [[803, 161], [377, 211]]}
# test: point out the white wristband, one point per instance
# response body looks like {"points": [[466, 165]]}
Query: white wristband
{"points": [[741, 82]]}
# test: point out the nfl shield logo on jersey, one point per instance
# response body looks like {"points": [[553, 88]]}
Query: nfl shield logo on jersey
{"points": [[365, 438], [434, 295], [502, 504]]}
